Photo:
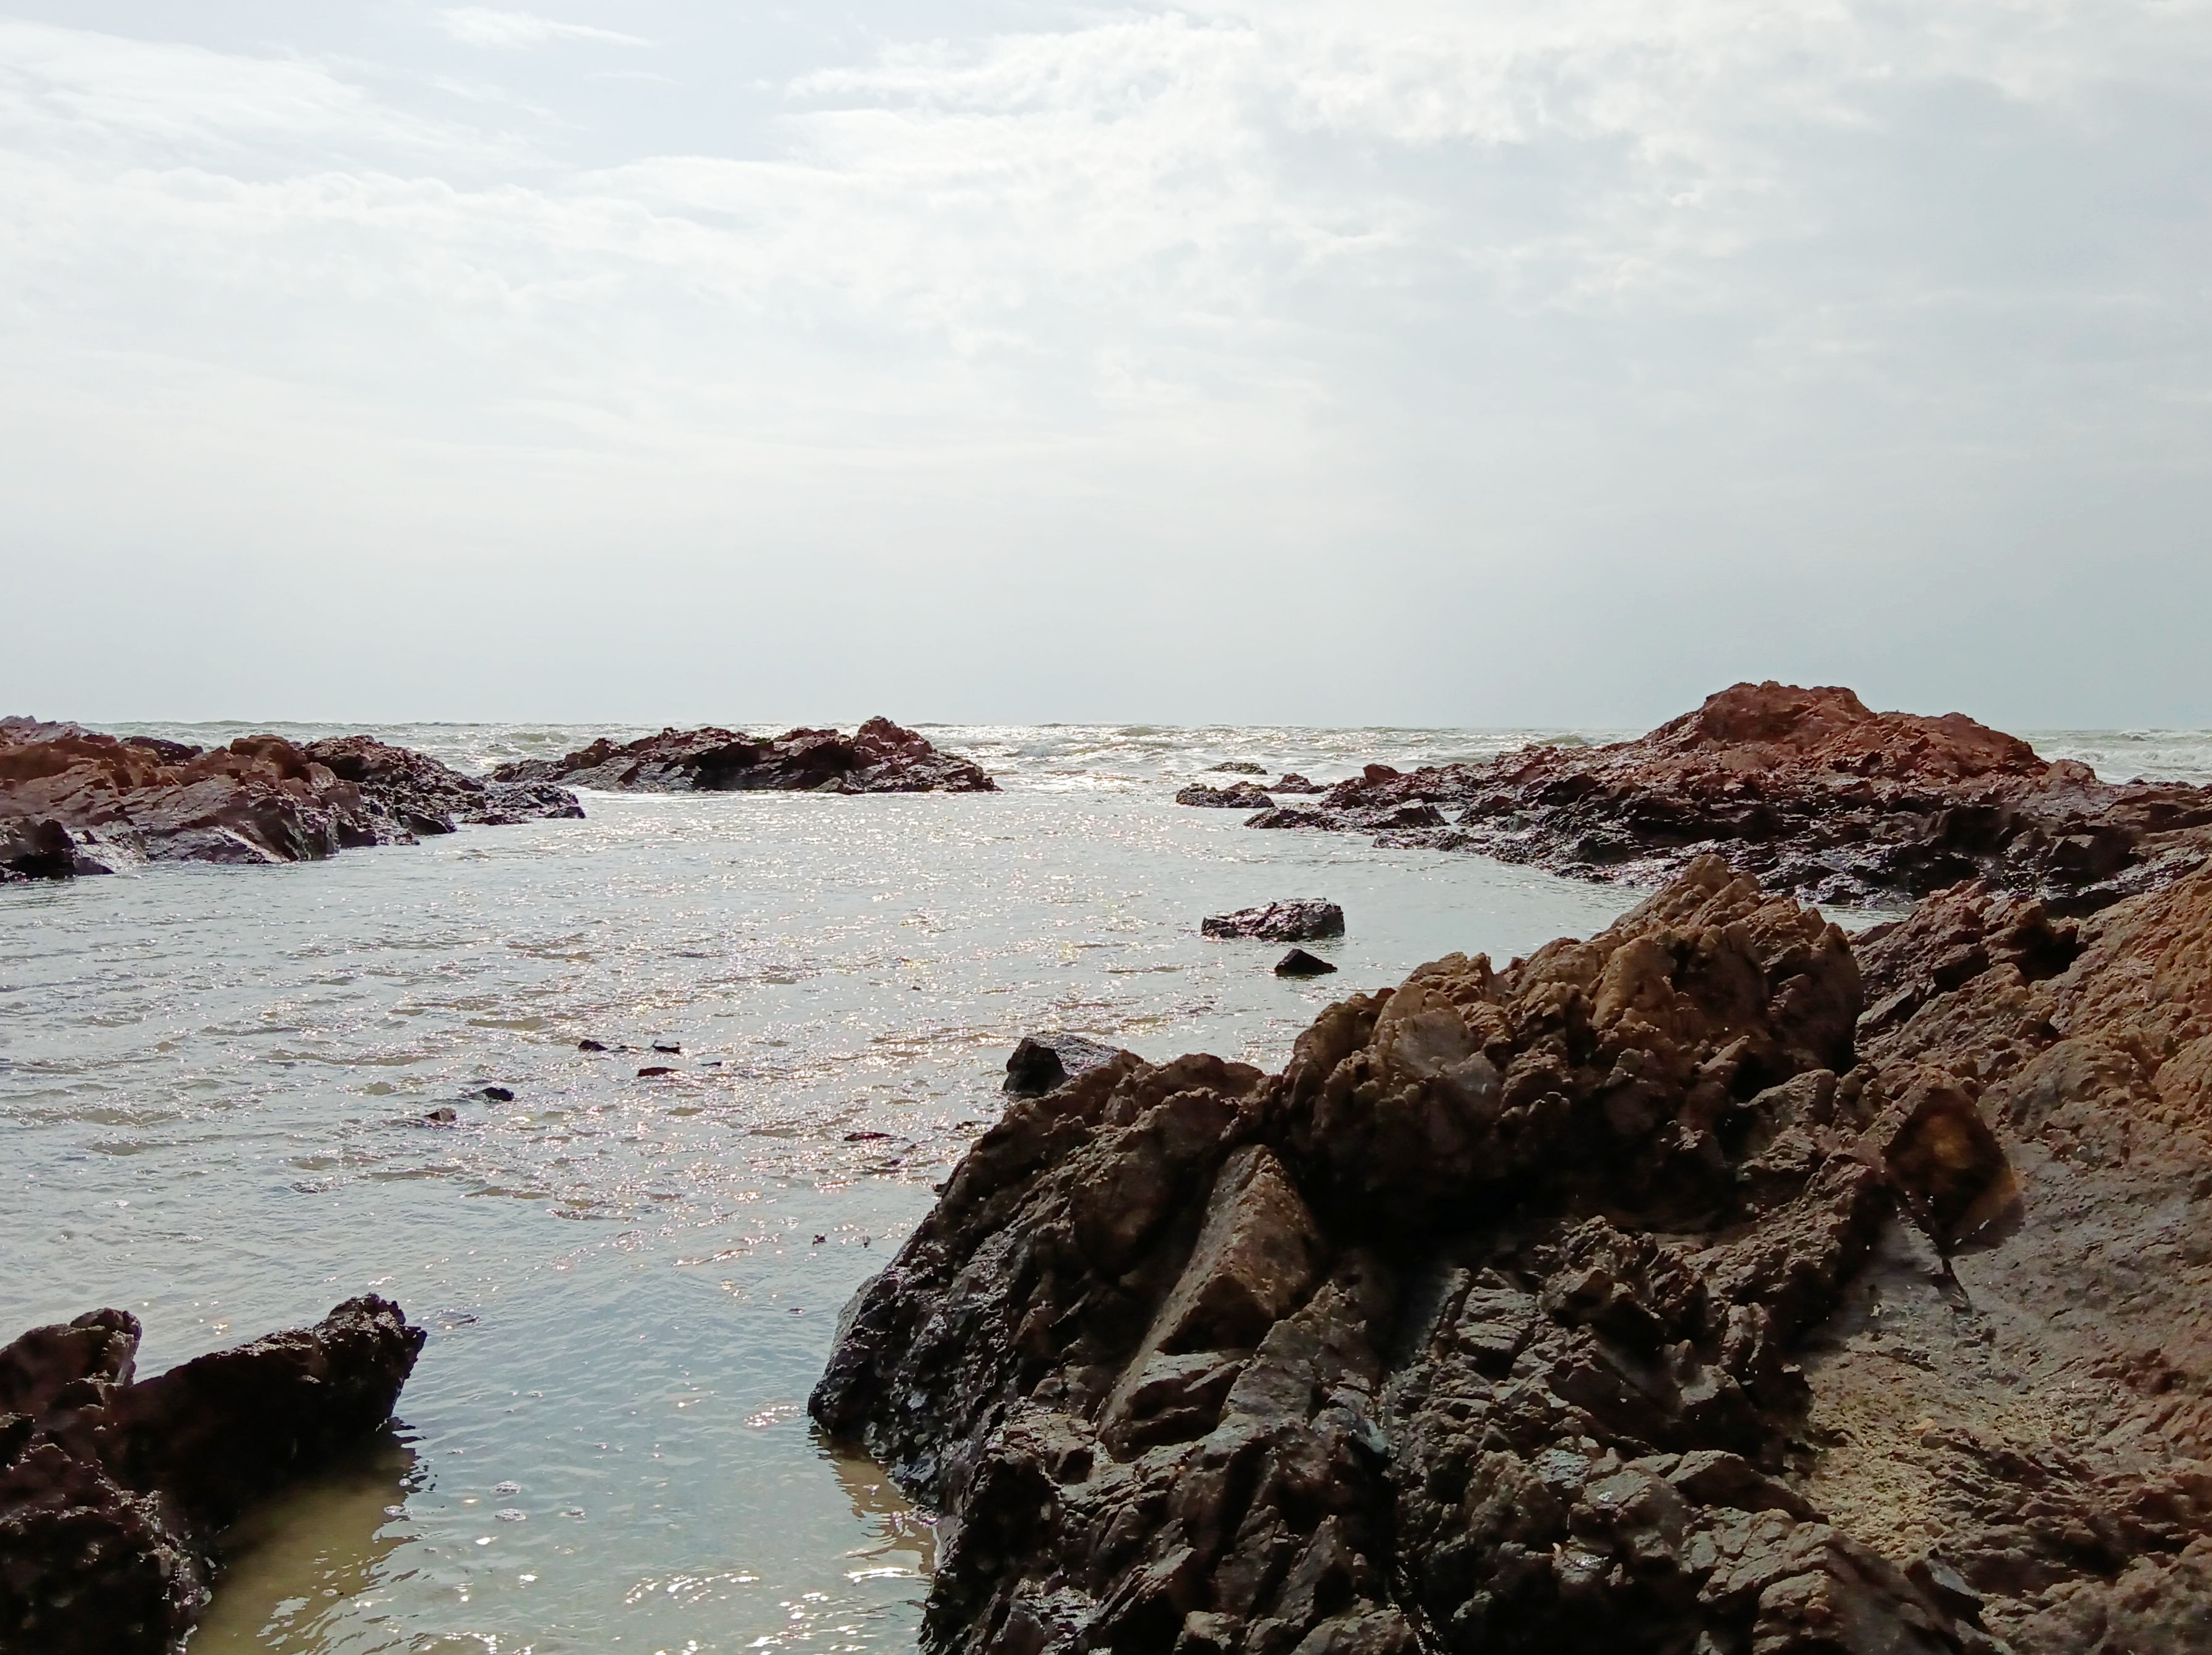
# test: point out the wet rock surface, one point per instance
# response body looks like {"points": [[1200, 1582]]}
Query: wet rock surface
{"points": [[74, 801], [1240, 796], [112, 1493], [1298, 921], [1299, 962], [878, 758], [1807, 788], [1713, 1285]]}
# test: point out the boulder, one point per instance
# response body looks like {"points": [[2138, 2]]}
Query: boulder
{"points": [[1810, 790], [878, 758], [1043, 1062], [1299, 962], [1298, 921], [112, 1492], [1292, 782]]}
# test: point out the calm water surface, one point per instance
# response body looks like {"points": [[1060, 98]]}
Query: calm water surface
{"points": [[214, 1085]]}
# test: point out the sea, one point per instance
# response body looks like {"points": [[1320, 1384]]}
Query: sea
{"points": [[216, 1086]]}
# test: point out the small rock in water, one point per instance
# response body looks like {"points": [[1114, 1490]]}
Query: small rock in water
{"points": [[656, 1069], [673, 1050], [864, 1137], [499, 1094], [1244, 795], [441, 1117], [1043, 1062], [589, 1045], [818, 1240], [1298, 921], [1240, 766], [1299, 962], [507, 1489], [1293, 782]]}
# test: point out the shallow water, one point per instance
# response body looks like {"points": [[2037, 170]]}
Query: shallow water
{"points": [[213, 1082]]}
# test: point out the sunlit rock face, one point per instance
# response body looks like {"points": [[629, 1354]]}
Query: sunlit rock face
{"points": [[879, 756]]}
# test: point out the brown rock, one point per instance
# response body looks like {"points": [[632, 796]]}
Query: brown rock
{"points": [[1298, 921]]}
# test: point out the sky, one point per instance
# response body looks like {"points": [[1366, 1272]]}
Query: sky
{"points": [[1533, 363]]}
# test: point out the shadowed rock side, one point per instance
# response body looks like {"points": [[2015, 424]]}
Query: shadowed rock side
{"points": [[1472, 1331], [1806, 789], [111, 1492], [74, 801], [878, 757]]}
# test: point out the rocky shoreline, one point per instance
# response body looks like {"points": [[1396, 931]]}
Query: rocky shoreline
{"points": [[1718, 1285], [1807, 788], [74, 801], [114, 1494], [879, 756]]}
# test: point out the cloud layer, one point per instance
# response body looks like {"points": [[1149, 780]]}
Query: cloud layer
{"points": [[1518, 361]]}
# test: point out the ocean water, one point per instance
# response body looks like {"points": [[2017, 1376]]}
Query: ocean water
{"points": [[214, 1085]]}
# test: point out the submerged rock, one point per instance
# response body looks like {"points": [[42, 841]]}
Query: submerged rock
{"points": [[111, 1492], [878, 758], [1634, 1297], [1808, 790], [1239, 767], [1298, 921], [75, 801]]}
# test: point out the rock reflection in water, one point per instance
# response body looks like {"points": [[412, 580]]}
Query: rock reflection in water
{"points": [[904, 1536], [291, 1560]]}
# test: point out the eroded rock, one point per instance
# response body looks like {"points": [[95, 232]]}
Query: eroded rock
{"points": [[1301, 919]]}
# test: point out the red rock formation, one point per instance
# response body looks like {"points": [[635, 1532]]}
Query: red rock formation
{"points": [[74, 801], [878, 758], [1810, 790]]}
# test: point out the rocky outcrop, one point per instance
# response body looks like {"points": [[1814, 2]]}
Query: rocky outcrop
{"points": [[1473, 1329], [1808, 790], [1301, 919], [111, 1492], [75, 801], [878, 757], [1299, 962], [1711, 1287]]}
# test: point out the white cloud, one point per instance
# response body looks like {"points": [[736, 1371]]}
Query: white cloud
{"points": [[483, 25]]}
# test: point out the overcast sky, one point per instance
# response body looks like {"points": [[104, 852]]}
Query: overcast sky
{"points": [[1556, 361]]}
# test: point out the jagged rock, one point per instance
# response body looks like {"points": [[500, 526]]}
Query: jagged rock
{"points": [[1042, 1061], [1299, 962], [1808, 790], [1292, 782], [1239, 767], [1298, 921], [74, 801], [1469, 1331], [878, 757], [1244, 795], [111, 1492]]}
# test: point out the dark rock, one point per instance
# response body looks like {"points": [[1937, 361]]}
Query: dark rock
{"points": [[111, 1492], [1239, 767], [878, 757], [1043, 1062], [1463, 1333], [441, 1117], [1298, 921], [1809, 790], [590, 1045], [1299, 962], [647, 1073], [1244, 795], [671, 1049], [1292, 782], [73, 801], [499, 1094]]}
